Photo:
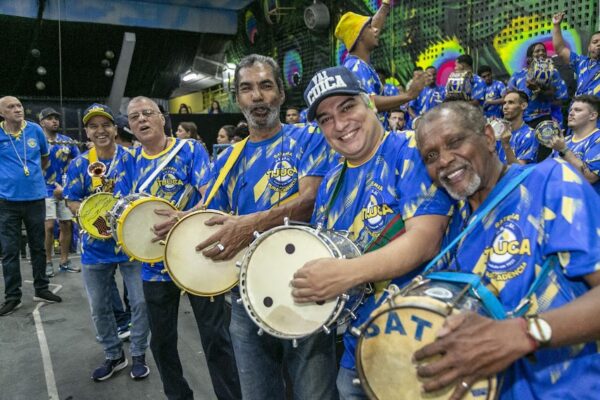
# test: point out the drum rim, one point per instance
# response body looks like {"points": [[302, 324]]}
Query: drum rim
{"points": [[127, 211], [79, 219], [389, 306], [260, 323], [166, 262]]}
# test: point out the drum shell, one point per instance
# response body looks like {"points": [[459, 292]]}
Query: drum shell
{"points": [[190, 270], [400, 326], [286, 319]]}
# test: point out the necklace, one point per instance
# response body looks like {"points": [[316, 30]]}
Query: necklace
{"points": [[24, 160]]}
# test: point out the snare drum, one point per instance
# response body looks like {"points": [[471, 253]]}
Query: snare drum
{"points": [[400, 326], [131, 221], [189, 269], [268, 268], [92, 215]]}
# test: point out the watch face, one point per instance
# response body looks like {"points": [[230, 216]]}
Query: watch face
{"points": [[540, 330]]}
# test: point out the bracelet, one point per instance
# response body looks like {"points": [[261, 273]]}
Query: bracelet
{"points": [[534, 343]]}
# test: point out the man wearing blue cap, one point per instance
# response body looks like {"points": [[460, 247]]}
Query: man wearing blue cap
{"points": [[360, 35], [381, 187], [100, 258], [23, 155]]}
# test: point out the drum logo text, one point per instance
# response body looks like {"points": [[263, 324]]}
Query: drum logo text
{"points": [[415, 327]]}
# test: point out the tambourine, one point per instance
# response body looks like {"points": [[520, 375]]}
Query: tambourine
{"points": [[498, 125], [545, 131]]}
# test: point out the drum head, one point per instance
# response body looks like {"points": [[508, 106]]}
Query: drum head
{"points": [[188, 268], [92, 215], [134, 229], [265, 283], [389, 340]]}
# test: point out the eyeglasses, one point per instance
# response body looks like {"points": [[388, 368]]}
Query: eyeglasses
{"points": [[146, 113]]}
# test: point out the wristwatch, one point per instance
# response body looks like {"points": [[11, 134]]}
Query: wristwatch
{"points": [[563, 152], [539, 329]]}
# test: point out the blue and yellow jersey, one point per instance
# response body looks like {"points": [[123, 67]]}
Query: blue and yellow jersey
{"points": [[588, 74], [523, 143], [494, 91], [552, 212], [538, 106], [427, 99], [267, 172], [78, 188], [478, 89], [16, 153], [178, 182], [393, 182], [60, 155], [587, 150], [365, 73]]}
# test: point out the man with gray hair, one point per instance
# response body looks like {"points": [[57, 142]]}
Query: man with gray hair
{"points": [[273, 174], [532, 238]]}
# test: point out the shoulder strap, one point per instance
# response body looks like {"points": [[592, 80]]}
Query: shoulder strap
{"points": [[162, 165], [231, 160], [92, 158]]}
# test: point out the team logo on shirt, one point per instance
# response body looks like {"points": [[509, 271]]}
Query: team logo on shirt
{"points": [[31, 143], [283, 175], [507, 253], [374, 212], [168, 180]]}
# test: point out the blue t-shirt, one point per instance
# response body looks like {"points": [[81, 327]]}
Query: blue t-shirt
{"points": [[553, 211], [494, 91], [523, 143], [427, 99], [79, 187], [60, 155], [27, 148], [394, 181], [587, 150], [588, 74], [267, 172], [538, 106], [183, 176], [478, 89], [365, 73]]}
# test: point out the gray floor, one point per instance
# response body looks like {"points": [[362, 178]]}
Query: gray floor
{"points": [[66, 335]]}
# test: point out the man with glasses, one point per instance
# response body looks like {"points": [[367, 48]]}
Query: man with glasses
{"points": [[181, 180]]}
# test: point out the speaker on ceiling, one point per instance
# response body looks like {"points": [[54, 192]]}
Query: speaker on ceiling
{"points": [[316, 17]]}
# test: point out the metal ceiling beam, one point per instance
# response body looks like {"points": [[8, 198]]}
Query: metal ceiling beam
{"points": [[117, 91]]}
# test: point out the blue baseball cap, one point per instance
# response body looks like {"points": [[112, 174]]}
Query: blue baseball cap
{"points": [[329, 82], [97, 109]]}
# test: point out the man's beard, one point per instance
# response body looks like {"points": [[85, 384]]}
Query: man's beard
{"points": [[270, 121], [471, 188]]}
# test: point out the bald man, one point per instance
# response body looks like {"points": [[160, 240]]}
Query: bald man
{"points": [[23, 156]]}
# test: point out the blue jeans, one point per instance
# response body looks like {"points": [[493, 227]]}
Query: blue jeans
{"points": [[347, 389], [260, 360], [212, 318], [122, 314], [98, 280], [12, 215]]}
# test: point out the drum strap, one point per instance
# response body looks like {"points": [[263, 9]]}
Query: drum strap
{"points": [[231, 160], [162, 165], [93, 157]]}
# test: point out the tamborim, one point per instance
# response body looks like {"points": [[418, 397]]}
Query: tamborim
{"points": [[268, 268], [189, 269], [498, 125], [459, 85], [400, 326], [131, 221], [92, 215], [540, 71], [545, 131]]}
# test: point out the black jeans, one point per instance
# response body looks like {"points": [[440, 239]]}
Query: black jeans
{"points": [[212, 319], [12, 215]]}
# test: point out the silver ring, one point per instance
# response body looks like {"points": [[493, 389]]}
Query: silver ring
{"points": [[220, 247], [464, 384]]}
